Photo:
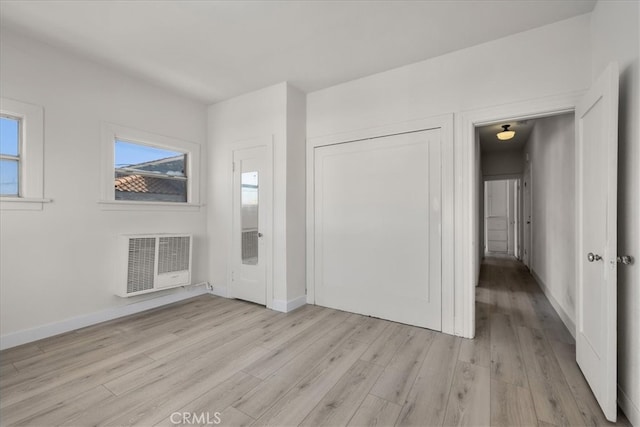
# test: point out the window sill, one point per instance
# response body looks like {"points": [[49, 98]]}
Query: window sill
{"points": [[127, 205], [22, 203]]}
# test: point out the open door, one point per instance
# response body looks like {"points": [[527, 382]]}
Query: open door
{"points": [[597, 174]]}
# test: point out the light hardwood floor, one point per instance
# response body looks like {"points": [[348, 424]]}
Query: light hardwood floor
{"points": [[314, 366]]}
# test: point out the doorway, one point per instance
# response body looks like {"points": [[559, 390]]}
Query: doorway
{"points": [[251, 226], [555, 158], [543, 149], [501, 222]]}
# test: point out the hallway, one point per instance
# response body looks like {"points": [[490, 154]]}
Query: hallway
{"points": [[535, 379]]}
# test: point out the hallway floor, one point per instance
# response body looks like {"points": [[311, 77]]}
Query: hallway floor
{"points": [[241, 364], [535, 379]]}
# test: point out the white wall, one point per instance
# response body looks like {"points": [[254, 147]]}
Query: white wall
{"points": [[615, 37], [274, 112], [58, 263], [551, 148], [546, 61], [497, 163], [296, 194]]}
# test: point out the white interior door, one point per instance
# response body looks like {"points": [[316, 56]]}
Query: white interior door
{"points": [[251, 213], [597, 145], [378, 227], [497, 216], [526, 213]]}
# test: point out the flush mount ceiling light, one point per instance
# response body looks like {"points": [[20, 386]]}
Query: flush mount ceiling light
{"points": [[506, 133]]}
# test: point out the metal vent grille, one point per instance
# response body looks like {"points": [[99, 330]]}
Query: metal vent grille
{"points": [[173, 254], [142, 252]]}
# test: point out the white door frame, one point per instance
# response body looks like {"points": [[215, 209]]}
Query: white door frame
{"points": [[527, 214], [516, 217], [512, 214], [445, 123], [487, 209], [466, 192], [267, 142]]}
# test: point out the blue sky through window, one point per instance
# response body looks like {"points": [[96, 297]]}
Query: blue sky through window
{"points": [[127, 154], [9, 146], [9, 136]]}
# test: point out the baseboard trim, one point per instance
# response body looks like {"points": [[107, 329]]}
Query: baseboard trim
{"points": [[287, 306], [630, 410], [566, 319], [221, 291], [15, 339]]}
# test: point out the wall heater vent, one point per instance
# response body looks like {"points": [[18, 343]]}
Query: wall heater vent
{"points": [[155, 262]]}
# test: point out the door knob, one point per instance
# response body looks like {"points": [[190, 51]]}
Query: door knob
{"points": [[259, 234], [593, 257]]}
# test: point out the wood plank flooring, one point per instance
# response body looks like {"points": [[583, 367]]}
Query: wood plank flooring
{"points": [[223, 360]]}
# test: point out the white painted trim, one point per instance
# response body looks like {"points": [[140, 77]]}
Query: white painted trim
{"points": [[287, 306], [628, 407], [22, 203], [24, 200], [31, 158], [220, 290], [128, 205], [466, 204], [564, 316], [501, 177], [264, 141], [378, 131], [446, 123], [111, 132], [39, 332]]}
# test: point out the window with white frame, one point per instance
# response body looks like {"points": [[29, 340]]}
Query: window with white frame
{"points": [[140, 167], [21, 155], [10, 155], [146, 173]]}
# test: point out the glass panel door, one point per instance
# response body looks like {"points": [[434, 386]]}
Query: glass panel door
{"points": [[249, 217]]}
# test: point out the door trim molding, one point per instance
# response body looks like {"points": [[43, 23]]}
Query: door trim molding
{"points": [[466, 191], [264, 141], [628, 407], [444, 122]]}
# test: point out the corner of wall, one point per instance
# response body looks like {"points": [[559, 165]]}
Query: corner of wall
{"points": [[296, 193]]}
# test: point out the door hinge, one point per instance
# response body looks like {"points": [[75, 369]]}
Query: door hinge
{"points": [[232, 276], [233, 166], [625, 259]]}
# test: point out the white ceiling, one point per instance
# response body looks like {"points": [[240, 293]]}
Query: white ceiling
{"points": [[214, 50]]}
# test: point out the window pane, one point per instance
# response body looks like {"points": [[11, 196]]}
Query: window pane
{"points": [[147, 173], [9, 140], [150, 189], [249, 217], [9, 177], [144, 158]]}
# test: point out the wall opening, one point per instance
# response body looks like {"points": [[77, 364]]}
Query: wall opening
{"points": [[527, 208]]}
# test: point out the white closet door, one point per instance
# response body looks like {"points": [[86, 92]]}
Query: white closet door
{"points": [[378, 222]]}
